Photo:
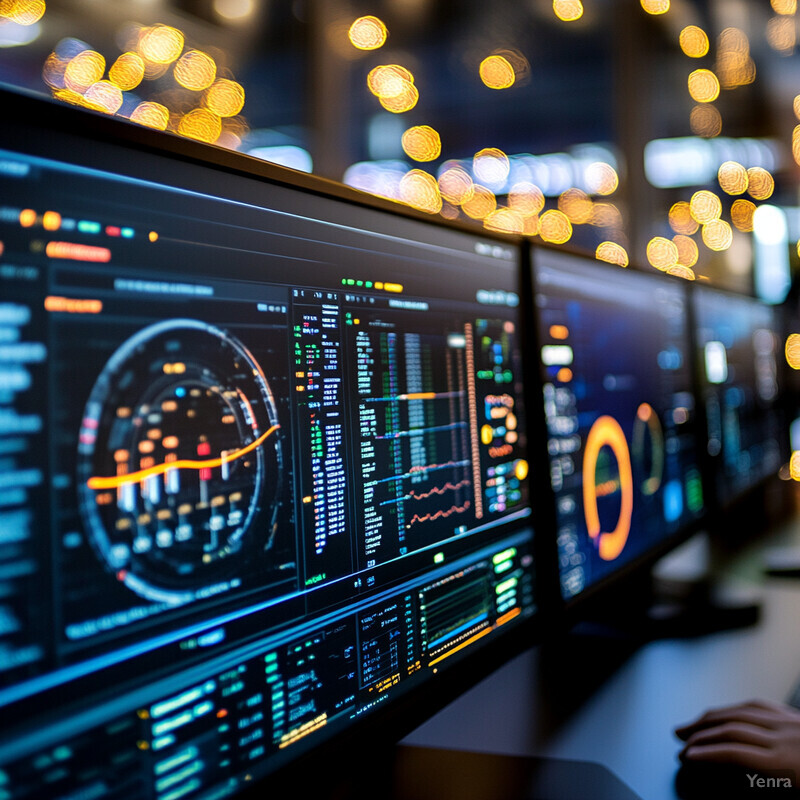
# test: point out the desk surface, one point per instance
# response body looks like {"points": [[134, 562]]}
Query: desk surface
{"points": [[627, 723]]}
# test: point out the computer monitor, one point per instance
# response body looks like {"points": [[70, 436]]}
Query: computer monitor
{"points": [[737, 348], [620, 414], [264, 468]]}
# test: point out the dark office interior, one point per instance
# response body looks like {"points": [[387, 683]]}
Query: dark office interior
{"points": [[399, 399]]}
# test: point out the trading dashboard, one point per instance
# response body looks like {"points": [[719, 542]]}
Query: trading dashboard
{"points": [[620, 414], [737, 350], [264, 467]]}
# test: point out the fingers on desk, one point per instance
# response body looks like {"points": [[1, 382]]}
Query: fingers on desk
{"points": [[730, 753], [756, 713]]}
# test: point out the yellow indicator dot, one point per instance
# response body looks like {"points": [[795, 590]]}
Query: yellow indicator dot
{"points": [[152, 236], [717, 235], [127, 71], [455, 184], [146, 446], [793, 350], [200, 124], [225, 98], [308, 499], [170, 442], [195, 70], [153, 115], [555, 227], [568, 10], [694, 41], [521, 469], [83, 70], [164, 513], [397, 288], [422, 143], [655, 7], [612, 253], [742, 215], [703, 86], [143, 713], [576, 205], [185, 508], [160, 44], [27, 218], [761, 183], [420, 190], [51, 220], [733, 178], [487, 434], [681, 220], [526, 198], [705, 206], [564, 375], [559, 331], [378, 285], [505, 220], [687, 250], [368, 33], [481, 204], [662, 253], [497, 72]]}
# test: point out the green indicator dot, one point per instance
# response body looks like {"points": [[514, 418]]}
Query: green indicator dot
{"points": [[359, 283], [438, 558], [344, 281], [351, 282], [368, 284]]}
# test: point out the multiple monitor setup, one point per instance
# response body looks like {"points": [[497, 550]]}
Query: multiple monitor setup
{"points": [[269, 476]]}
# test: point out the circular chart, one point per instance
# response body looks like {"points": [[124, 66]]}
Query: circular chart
{"points": [[179, 453]]}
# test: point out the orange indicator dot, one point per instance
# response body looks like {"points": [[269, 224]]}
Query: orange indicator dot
{"points": [[27, 217]]}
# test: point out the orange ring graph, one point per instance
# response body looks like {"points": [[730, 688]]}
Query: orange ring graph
{"points": [[606, 432]]}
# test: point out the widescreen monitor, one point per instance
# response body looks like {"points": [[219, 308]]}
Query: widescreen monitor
{"points": [[264, 468], [737, 353], [620, 414]]}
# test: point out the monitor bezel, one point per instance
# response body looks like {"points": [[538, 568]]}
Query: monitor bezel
{"points": [[30, 119]]}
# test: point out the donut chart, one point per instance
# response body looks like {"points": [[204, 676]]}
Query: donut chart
{"points": [[179, 453], [606, 432]]}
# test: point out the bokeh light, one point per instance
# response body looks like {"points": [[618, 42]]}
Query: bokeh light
{"points": [[732, 177], [481, 203], [705, 206], [151, 114], [703, 86], [105, 95], [655, 6], [555, 227], [576, 205], [694, 41], [761, 183], [530, 225], [388, 80], [497, 72], [526, 198], [679, 271], [367, 33], [601, 178], [455, 184], [23, 12], [195, 70], [235, 10], [200, 124], [402, 102], [568, 10], [662, 253], [705, 121], [687, 250], [796, 143], [717, 235], [781, 34], [161, 44], [420, 190], [742, 215], [224, 97], [606, 215], [796, 106], [681, 220], [787, 7], [127, 71], [505, 220], [734, 65], [792, 350], [491, 165], [83, 70], [613, 253], [422, 143]]}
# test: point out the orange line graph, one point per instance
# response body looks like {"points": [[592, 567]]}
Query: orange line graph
{"points": [[439, 514], [439, 490], [116, 481]]}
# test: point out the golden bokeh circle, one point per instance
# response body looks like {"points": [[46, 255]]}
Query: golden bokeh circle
{"points": [[127, 71], [762, 184], [481, 203], [568, 10], [455, 184], [201, 124], [733, 178], [687, 250], [705, 121], [703, 86], [420, 190], [705, 206], [555, 227], [694, 41], [662, 253], [612, 253], [526, 198], [681, 220], [224, 97], [497, 72], [422, 143], [717, 235], [368, 33], [742, 215], [195, 70]]}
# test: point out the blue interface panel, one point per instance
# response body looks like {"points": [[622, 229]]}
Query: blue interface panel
{"points": [[738, 348], [263, 469], [620, 413]]}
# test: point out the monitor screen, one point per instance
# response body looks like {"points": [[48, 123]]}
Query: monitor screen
{"points": [[737, 346], [619, 409], [263, 463]]}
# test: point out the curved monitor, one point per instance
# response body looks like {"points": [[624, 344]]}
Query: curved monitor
{"points": [[616, 365], [264, 460], [737, 352]]}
